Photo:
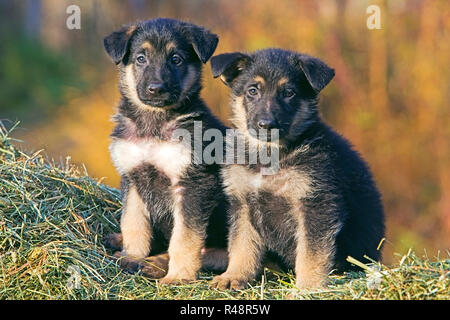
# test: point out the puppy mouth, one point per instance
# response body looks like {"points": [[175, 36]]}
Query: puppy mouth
{"points": [[156, 102], [160, 102]]}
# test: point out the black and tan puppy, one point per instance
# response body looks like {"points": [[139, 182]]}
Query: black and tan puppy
{"points": [[321, 205], [168, 200]]}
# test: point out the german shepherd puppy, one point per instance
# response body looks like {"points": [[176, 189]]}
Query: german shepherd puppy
{"points": [[168, 200], [321, 205]]}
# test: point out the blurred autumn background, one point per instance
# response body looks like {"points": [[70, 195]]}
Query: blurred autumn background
{"points": [[389, 97]]}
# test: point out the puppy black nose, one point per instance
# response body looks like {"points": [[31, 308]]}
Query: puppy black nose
{"points": [[266, 124], [155, 88]]}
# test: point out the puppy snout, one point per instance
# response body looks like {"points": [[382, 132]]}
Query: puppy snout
{"points": [[156, 88], [266, 123]]}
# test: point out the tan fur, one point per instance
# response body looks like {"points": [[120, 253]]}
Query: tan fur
{"points": [[282, 81], [288, 183], [171, 158], [184, 247], [243, 254], [134, 224], [258, 144], [239, 116], [312, 265], [170, 45], [311, 268], [243, 247], [130, 30], [147, 46], [260, 80], [307, 265]]}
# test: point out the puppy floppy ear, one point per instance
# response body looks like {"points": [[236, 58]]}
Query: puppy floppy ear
{"points": [[117, 43], [203, 41], [316, 71], [228, 66]]}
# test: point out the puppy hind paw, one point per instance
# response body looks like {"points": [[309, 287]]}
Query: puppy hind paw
{"points": [[128, 264], [113, 241], [155, 267]]}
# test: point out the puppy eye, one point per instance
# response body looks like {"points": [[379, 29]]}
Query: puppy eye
{"points": [[289, 93], [141, 59], [252, 91], [176, 59]]}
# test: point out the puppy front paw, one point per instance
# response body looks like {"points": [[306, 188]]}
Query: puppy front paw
{"points": [[232, 282], [177, 279], [311, 283]]}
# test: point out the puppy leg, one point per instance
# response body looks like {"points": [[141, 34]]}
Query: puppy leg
{"points": [[184, 247], [313, 261], [136, 230], [185, 257], [245, 253]]}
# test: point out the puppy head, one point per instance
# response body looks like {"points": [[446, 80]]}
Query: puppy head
{"points": [[273, 89], [160, 60]]}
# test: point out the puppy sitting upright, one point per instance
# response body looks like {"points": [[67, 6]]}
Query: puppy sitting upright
{"points": [[321, 205], [167, 199]]}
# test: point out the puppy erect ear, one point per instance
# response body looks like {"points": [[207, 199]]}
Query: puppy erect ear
{"points": [[228, 66], [316, 71], [117, 43], [203, 41]]}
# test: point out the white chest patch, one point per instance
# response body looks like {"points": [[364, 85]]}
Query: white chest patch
{"points": [[170, 158]]}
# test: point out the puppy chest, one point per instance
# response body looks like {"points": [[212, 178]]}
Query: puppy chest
{"points": [[267, 210], [169, 158], [273, 201], [272, 216], [290, 184]]}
